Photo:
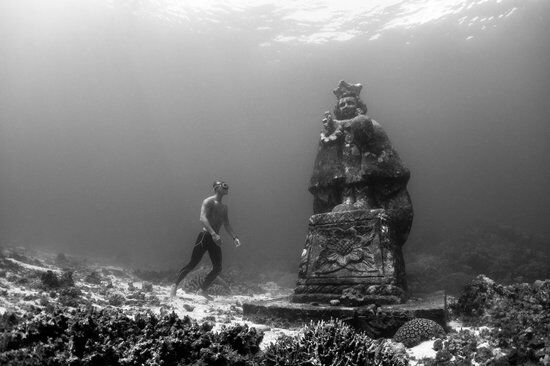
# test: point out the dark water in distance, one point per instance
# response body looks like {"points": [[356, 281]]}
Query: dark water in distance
{"points": [[116, 117]]}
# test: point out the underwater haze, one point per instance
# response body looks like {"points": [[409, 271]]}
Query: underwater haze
{"points": [[117, 116]]}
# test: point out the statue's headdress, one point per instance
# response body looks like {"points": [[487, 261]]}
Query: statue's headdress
{"points": [[347, 90]]}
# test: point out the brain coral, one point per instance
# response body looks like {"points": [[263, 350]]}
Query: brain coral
{"points": [[417, 330]]}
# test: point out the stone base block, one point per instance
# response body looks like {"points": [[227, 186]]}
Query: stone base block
{"points": [[352, 257], [376, 321]]}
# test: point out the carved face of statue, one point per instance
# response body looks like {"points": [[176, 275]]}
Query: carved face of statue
{"points": [[347, 107]]}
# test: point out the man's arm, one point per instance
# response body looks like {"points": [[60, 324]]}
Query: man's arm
{"points": [[229, 229]]}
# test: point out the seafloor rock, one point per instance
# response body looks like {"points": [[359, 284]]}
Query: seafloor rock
{"points": [[418, 330], [147, 287], [138, 296], [438, 344], [50, 280], [443, 357], [66, 279], [188, 307], [153, 300], [483, 355], [458, 349], [116, 299], [70, 296], [478, 296], [93, 277]]}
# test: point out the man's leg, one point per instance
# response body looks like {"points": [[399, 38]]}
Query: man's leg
{"points": [[196, 256], [215, 253]]}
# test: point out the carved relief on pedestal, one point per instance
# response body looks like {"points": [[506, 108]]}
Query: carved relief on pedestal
{"points": [[350, 251], [343, 250]]}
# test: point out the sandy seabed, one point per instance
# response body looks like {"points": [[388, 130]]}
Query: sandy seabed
{"points": [[21, 292], [35, 286]]}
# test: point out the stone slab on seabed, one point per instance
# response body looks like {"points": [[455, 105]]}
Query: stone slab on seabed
{"points": [[377, 322]]}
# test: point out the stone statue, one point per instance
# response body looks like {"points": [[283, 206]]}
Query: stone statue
{"points": [[356, 166], [362, 211]]}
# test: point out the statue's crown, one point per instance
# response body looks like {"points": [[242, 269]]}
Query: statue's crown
{"points": [[347, 90]]}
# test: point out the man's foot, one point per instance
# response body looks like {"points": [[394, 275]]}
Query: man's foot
{"points": [[205, 294], [173, 291]]}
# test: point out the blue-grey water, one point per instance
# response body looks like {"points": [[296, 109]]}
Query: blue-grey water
{"points": [[116, 116]]}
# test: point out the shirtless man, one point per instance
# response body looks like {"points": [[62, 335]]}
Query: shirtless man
{"points": [[213, 215]]}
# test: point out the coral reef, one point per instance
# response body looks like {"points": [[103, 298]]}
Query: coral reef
{"points": [[334, 343], [499, 325], [417, 330], [518, 316], [109, 337]]}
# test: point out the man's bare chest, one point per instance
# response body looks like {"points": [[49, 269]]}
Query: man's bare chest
{"points": [[217, 210]]}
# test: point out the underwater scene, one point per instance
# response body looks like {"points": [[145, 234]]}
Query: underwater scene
{"points": [[274, 183]]}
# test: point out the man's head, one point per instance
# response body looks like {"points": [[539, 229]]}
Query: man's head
{"points": [[220, 186]]}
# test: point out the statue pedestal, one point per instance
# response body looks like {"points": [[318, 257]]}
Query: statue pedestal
{"points": [[377, 322], [351, 257]]}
